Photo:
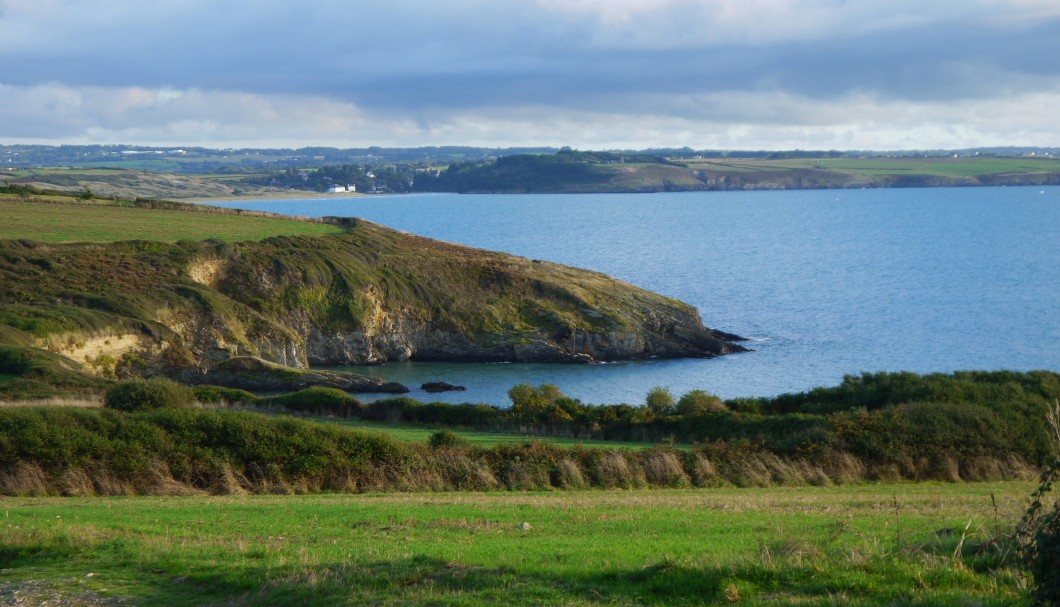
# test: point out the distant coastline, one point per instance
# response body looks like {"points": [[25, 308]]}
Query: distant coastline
{"points": [[209, 178], [585, 172]]}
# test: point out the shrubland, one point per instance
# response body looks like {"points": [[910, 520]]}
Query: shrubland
{"points": [[964, 426]]}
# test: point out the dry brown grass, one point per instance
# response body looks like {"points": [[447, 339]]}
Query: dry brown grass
{"points": [[81, 403]]}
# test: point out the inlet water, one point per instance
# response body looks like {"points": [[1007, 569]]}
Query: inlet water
{"points": [[824, 282]]}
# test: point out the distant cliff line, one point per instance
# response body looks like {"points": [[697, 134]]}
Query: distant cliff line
{"points": [[603, 172]]}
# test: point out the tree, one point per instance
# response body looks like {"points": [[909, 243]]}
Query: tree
{"points": [[661, 401], [698, 402]]}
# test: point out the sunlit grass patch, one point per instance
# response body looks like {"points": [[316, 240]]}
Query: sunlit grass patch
{"points": [[48, 222], [843, 545], [421, 434]]}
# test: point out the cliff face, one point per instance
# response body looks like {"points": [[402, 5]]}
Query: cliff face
{"points": [[372, 295]]}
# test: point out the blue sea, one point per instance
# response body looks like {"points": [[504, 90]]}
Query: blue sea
{"points": [[823, 282]]}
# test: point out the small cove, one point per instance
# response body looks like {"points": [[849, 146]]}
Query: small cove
{"points": [[824, 282]]}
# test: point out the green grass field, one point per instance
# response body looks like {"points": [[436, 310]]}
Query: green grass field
{"points": [[417, 434], [48, 222], [785, 546], [944, 167]]}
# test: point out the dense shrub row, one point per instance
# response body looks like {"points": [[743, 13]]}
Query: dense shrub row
{"points": [[147, 432], [892, 419], [78, 451], [196, 450]]}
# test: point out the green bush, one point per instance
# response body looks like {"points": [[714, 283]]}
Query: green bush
{"points": [[214, 450], [661, 401], [317, 400], [148, 395], [1039, 535], [446, 439], [221, 394], [698, 402]]}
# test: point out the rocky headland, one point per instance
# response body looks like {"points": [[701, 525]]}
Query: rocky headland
{"points": [[201, 310]]}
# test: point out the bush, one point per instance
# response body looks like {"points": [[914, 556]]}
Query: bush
{"points": [[661, 401], [698, 402], [446, 439], [1039, 531], [220, 394], [317, 400], [1039, 535], [148, 395]]}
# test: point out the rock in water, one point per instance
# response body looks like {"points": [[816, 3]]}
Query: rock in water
{"points": [[434, 387]]}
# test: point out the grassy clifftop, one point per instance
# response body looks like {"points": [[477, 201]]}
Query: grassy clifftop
{"points": [[362, 294], [575, 172]]}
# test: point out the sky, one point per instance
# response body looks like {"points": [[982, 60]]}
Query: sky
{"points": [[590, 74]]}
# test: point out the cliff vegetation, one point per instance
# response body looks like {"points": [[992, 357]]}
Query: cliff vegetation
{"points": [[362, 294]]}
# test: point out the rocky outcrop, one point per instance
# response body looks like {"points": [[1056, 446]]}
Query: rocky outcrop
{"points": [[257, 375]]}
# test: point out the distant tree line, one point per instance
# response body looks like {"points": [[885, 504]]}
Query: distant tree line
{"points": [[566, 169], [391, 178]]}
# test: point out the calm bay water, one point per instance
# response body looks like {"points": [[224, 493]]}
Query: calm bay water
{"points": [[824, 282]]}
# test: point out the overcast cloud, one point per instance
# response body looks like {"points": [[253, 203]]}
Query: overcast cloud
{"points": [[769, 74]]}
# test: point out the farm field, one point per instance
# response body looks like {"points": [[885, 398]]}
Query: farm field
{"points": [[140, 182], [943, 167], [924, 544], [47, 222]]}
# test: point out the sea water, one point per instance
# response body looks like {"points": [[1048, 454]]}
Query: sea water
{"points": [[823, 282]]}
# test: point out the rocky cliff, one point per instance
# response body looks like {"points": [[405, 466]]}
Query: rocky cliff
{"points": [[370, 295]]}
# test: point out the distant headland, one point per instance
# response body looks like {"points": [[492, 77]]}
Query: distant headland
{"points": [[207, 174]]}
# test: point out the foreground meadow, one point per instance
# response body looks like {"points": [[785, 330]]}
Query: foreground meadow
{"points": [[925, 544]]}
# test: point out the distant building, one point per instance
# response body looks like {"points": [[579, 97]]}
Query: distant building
{"points": [[335, 189]]}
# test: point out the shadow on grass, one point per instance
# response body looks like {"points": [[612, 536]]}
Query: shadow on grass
{"points": [[424, 580]]}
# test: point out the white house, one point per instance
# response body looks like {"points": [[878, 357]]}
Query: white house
{"points": [[335, 189]]}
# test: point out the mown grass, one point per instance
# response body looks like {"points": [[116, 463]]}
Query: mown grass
{"points": [[46, 222], [924, 544], [420, 434]]}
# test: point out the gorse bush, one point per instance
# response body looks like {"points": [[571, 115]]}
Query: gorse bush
{"points": [[446, 439], [221, 394], [661, 401], [957, 422], [148, 395], [698, 402], [317, 400], [985, 437], [182, 451], [207, 450]]}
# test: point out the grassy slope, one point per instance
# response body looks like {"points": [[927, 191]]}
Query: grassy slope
{"points": [[580, 175], [48, 222], [343, 279], [871, 167], [420, 274], [148, 182], [802, 546]]}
